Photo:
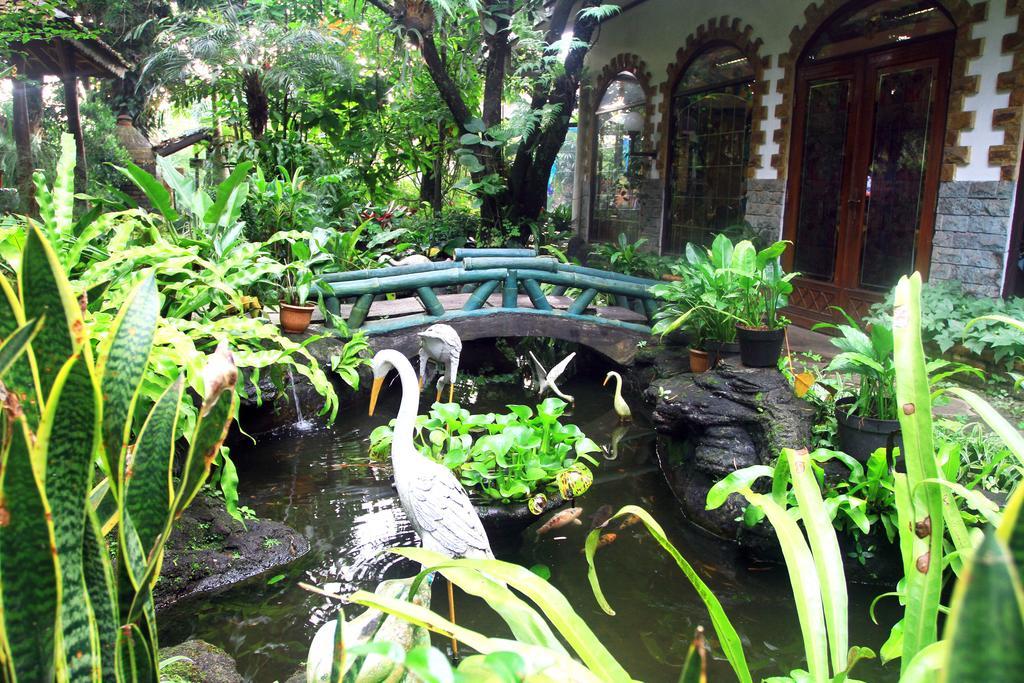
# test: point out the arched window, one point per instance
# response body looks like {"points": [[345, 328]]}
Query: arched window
{"points": [[709, 147], [620, 119]]}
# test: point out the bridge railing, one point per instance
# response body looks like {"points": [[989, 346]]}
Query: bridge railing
{"points": [[481, 272]]}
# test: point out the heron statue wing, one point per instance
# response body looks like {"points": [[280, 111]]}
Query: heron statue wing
{"points": [[557, 371], [446, 520]]}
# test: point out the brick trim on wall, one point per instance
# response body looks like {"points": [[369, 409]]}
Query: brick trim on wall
{"points": [[629, 63], [962, 85], [1009, 118], [717, 31]]}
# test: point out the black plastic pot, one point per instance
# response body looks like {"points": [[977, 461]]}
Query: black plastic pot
{"points": [[718, 351], [760, 348], [677, 337], [862, 436]]}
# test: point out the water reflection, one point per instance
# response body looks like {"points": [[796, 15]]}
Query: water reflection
{"points": [[324, 484]]}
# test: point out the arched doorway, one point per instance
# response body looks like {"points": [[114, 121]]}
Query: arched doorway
{"points": [[619, 118], [869, 118], [709, 147]]}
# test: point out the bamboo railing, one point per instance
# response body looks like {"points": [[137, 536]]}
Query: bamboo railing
{"points": [[481, 272]]}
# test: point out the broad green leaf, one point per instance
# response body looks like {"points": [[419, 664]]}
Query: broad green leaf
{"points": [[828, 560], [803, 577], [552, 603], [155, 191], [927, 664], [123, 357], [67, 440], [730, 641], [734, 482], [695, 666], [64, 187], [924, 571], [221, 206], [27, 561]]}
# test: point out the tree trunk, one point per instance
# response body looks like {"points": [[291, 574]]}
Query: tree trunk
{"points": [[256, 104], [23, 145]]}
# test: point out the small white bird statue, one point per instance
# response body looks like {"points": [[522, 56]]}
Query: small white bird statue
{"points": [[547, 379], [411, 260], [621, 407], [433, 499], [441, 345]]}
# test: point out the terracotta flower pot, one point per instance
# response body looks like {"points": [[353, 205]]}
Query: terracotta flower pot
{"points": [[295, 319], [699, 360]]}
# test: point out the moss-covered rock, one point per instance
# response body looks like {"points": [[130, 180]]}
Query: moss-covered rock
{"points": [[197, 661]]}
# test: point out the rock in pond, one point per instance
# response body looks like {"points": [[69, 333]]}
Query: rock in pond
{"points": [[721, 421], [200, 663], [208, 550]]}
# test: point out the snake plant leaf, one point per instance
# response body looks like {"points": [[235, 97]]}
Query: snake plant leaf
{"points": [[927, 664], [338, 656], [730, 641], [551, 602], [136, 591], [828, 560], [20, 378], [66, 442], [16, 342], [147, 487], [45, 291], [122, 362], [985, 629], [135, 662], [924, 572], [1011, 529], [99, 580], [27, 559]]}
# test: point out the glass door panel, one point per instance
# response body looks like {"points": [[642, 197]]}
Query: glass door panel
{"points": [[821, 178], [894, 189]]}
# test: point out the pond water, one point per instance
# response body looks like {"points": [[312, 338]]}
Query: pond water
{"points": [[323, 484]]}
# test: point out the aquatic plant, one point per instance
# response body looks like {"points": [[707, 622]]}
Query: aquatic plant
{"points": [[507, 457], [79, 557]]}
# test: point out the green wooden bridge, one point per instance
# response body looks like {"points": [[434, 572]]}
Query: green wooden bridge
{"points": [[495, 293]]}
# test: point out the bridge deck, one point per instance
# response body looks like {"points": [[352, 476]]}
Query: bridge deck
{"points": [[397, 308]]}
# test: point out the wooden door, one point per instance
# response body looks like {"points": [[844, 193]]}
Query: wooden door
{"points": [[864, 174]]}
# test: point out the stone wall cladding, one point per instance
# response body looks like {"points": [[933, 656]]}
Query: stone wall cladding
{"points": [[971, 223], [766, 201]]}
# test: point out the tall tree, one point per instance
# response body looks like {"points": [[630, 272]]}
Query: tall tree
{"points": [[528, 51]]}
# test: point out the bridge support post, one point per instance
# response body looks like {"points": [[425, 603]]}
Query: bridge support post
{"points": [[333, 306], [582, 301], [651, 307], [359, 311], [430, 301], [540, 302], [480, 295], [510, 292]]}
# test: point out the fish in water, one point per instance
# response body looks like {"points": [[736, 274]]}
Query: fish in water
{"points": [[628, 522], [601, 517], [606, 539], [560, 519]]}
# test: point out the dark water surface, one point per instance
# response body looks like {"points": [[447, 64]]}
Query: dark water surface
{"points": [[323, 484]]}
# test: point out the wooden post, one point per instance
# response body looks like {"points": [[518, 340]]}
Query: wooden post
{"points": [[23, 144], [74, 119]]}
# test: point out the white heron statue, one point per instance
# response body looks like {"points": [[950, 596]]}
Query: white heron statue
{"points": [[440, 348], [433, 499], [546, 379], [621, 407]]}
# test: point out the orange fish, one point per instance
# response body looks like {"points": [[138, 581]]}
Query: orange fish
{"points": [[606, 539], [560, 519]]}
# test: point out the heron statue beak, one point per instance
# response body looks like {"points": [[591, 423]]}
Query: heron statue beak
{"points": [[606, 378], [378, 382], [451, 392], [438, 398]]}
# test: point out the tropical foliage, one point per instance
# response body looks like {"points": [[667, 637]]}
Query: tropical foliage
{"points": [[517, 456]]}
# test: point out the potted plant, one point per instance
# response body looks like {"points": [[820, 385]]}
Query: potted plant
{"points": [[867, 418], [297, 283], [765, 289], [705, 302]]}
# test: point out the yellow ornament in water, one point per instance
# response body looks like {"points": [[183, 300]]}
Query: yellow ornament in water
{"points": [[574, 481]]}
